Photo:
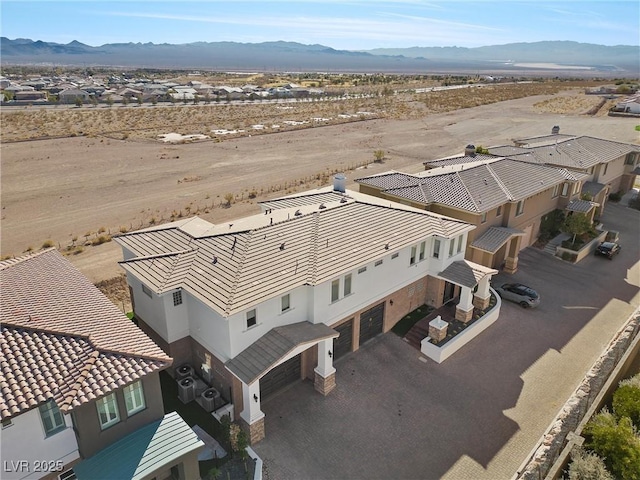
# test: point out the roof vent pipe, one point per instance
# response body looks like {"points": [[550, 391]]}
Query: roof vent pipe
{"points": [[340, 183], [470, 151], [555, 130]]}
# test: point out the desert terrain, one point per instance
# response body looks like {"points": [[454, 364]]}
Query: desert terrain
{"points": [[75, 192]]}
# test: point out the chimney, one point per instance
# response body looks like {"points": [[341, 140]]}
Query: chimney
{"points": [[470, 150], [555, 130], [340, 183]]}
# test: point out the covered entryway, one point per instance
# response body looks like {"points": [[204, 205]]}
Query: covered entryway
{"points": [[449, 292], [371, 322], [344, 343], [281, 376]]}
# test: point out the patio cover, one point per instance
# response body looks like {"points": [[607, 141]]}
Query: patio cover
{"points": [[466, 273], [493, 239], [267, 352], [142, 452], [581, 206]]}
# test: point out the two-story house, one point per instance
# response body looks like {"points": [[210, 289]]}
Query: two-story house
{"points": [[262, 301], [505, 199], [607, 166], [80, 383]]}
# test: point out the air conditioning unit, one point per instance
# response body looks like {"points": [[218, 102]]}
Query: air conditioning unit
{"points": [[187, 389], [184, 371], [209, 399]]}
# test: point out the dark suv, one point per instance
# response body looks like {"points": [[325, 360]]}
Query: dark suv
{"points": [[608, 249]]}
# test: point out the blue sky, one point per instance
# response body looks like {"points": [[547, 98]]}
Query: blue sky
{"points": [[351, 25]]}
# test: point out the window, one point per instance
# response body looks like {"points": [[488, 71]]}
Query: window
{"points": [[556, 190], [347, 285], [52, 419], [285, 302], [335, 290], [459, 244], [146, 290], [414, 251], [362, 270], [576, 187], [565, 189], [177, 298], [483, 219], [134, 398], [606, 166], [108, 411], [251, 318], [520, 208], [395, 255], [499, 211], [6, 423], [378, 263], [631, 158], [423, 247], [452, 246], [436, 248]]}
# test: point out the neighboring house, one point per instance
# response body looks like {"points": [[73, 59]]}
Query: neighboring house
{"points": [[262, 301], [505, 199], [70, 95], [78, 379], [30, 95], [629, 105], [608, 166]]}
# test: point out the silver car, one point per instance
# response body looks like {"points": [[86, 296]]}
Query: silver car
{"points": [[521, 294]]}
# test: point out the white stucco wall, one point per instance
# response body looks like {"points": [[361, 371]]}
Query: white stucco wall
{"points": [[150, 309], [27, 453]]}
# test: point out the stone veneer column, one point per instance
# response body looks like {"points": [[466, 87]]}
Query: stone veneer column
{"points": [[325, 374], [482, 295], [511, 262], [438, 329], [464, 309], [255, 431], [252, 417]]}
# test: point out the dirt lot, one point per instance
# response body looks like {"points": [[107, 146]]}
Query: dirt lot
{"points": [[71, 191]]}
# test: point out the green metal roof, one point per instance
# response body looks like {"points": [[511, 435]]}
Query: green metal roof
{"points": [[156, 446]]}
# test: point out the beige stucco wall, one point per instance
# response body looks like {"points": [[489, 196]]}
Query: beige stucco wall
{"points": [[91, 439]]}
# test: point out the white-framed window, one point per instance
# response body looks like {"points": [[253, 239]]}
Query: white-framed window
{"points": [[483, 218], [285, 302], [423, 248], [436, 248], [452, 246], [177, 298], [556, 191], [576, 188], [335, 290], [395, 255], [565, 189], [362, 270], [108, 411], [459, 249], [347, 285], [252, 318], [134, 398], [520, 208], [146, 290], [52, 418], [378, 263], [414, 252], [499, 211]]}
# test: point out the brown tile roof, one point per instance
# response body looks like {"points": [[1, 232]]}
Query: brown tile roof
{"points": [[62, 339], [232, 266]]}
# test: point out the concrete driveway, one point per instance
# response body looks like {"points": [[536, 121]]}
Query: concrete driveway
{"points": [[479, 414]]}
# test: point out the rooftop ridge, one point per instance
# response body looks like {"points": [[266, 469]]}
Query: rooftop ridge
{"points": [[238, 274], [500, 183], [313, 255], [158, 255], [473, 200], [174, 263], [4, 264], [77, 385]]}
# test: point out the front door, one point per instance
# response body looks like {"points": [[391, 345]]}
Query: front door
{"points": [[449, 291]]}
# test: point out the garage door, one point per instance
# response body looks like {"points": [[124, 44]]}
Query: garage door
{"points": [[342, 345], [280, 377], [371, 322]]}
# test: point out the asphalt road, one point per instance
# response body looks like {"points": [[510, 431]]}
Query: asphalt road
{"points": [[477, 415]]}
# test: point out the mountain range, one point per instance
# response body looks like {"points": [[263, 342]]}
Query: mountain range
{"points": [[579, 59]]}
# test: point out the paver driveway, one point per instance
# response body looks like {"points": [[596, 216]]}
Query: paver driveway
{"points": [[477, 415]]}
